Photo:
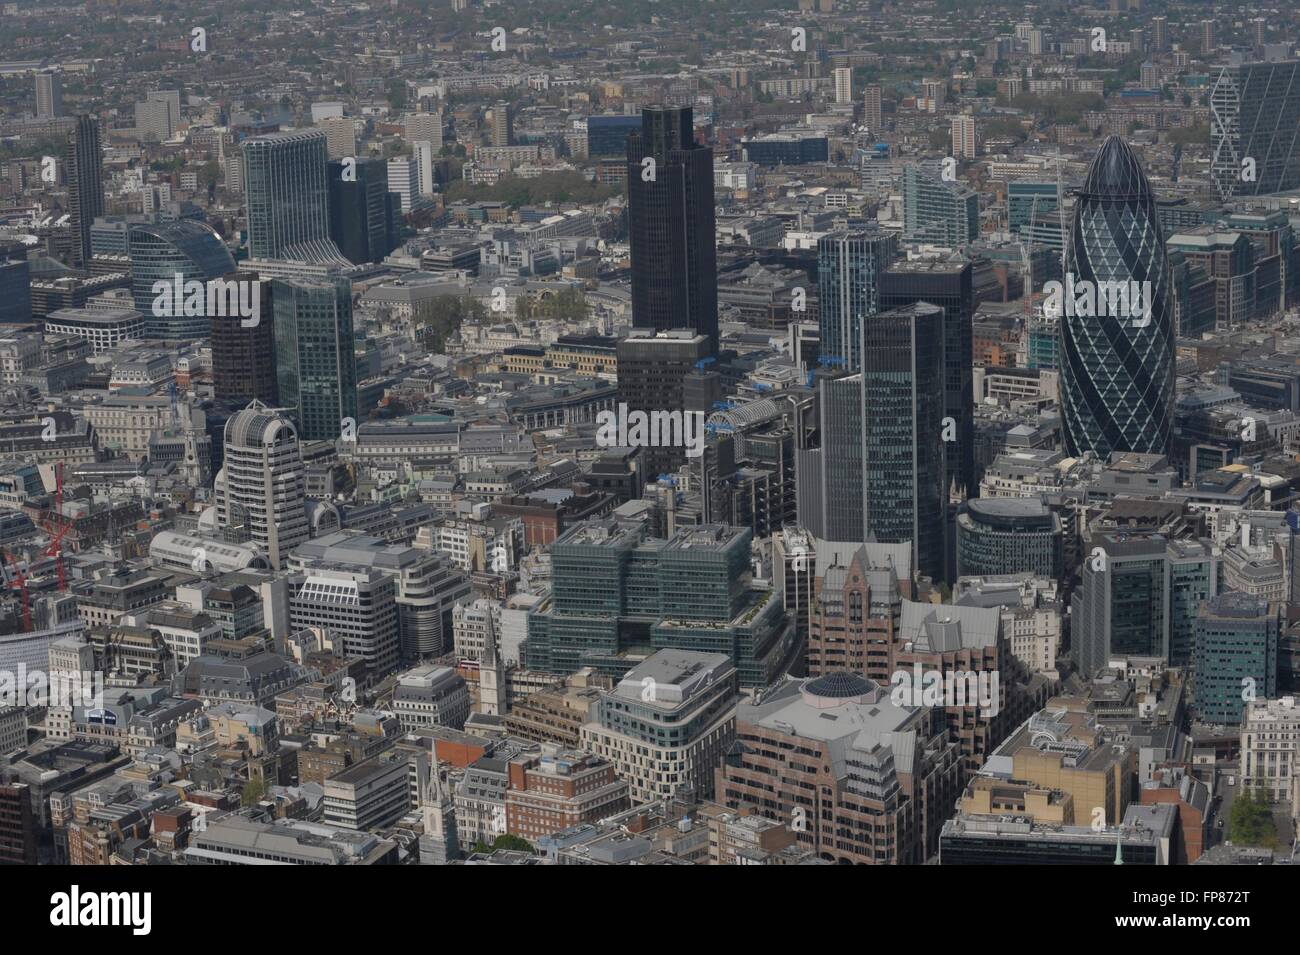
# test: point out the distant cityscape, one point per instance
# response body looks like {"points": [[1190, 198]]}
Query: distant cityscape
{"points": [[462, 432]]}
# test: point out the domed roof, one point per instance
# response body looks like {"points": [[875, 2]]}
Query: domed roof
{"points": [[1115, 173], [839, 685]]}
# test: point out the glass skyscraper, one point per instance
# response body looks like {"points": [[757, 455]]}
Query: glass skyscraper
{"points": [[671, 225], [1255, 128], [85, 172], [849, 264], [315, 359], [1117, 370], [159, 252], [363, 214], [902, 423], [937, 212], [287, 195]]}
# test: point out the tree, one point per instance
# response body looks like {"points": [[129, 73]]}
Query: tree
{"points": [[254, 791], [1251, 821], [444, 316]]}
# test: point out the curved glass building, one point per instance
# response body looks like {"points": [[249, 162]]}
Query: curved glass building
{"points": [[1117, 364], [161, 250]]}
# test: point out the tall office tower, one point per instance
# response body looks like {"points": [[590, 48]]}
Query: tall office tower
{"points": [[872, 114], [843, 84], [1159, 34], [84, 165], [1117, 370], [1209, 41], [903, 431], [1254, 115], [671, 225], [287, 196], [315, 359], [653, 370], [849, 264], [607, 135], [673, 736], [243, 355], [936, 212], [964, 138], [161, 251], [425, 128], [1026, 199], [340, 136], [49, 95], [503, 125], [829, 480], [260, 488], [15, 292], [950, 285], [1237, 638], [1140, 595], [361, 214], [404, 180]]}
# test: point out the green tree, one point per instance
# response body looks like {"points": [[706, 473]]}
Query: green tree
{"points": [[1251, 821], [445, 316], [254, 792]]}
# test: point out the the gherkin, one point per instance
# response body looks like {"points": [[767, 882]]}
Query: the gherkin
{"points": [[1117, 370]]}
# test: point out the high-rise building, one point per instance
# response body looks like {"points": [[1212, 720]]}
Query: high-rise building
{"points": [[829, 485], [965, 142], [315, 359], [654, 373], [849, 264], [843, 84], [15, 292], [503, 125], [607, 135], [1237, 638], [950, 285], [1254, 114], [49, 95], [667, 724], [1009, 535], [671, 225], [938, 212], [872, 113], [340, 136], [903, 432], [616, 587], [243, 352], [362, 210], [1117, 368], [1139, 597], [1159, 34], [158, 115], [84, 165], [1026, 198], [1258, 32], [404, 180], [425, 128], [287, 195], [260, 488], [159, 252], [1209, 38]]}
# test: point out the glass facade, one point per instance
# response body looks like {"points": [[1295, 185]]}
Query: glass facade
{"points": [[161, 251], [1008, 536], [607, 135], [315, 359], [848, 269], [1236, 647], [1117, 370], [938, 212], [1254, 115], [286, 192]]}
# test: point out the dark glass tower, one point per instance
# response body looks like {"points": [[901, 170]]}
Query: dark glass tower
{"points": [[287, 195], [85, 171], [903, 412], [361, 220], [670, 225], [243, 356], [849, 264], [161, 251], [1117, 371], [315, 358]]}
